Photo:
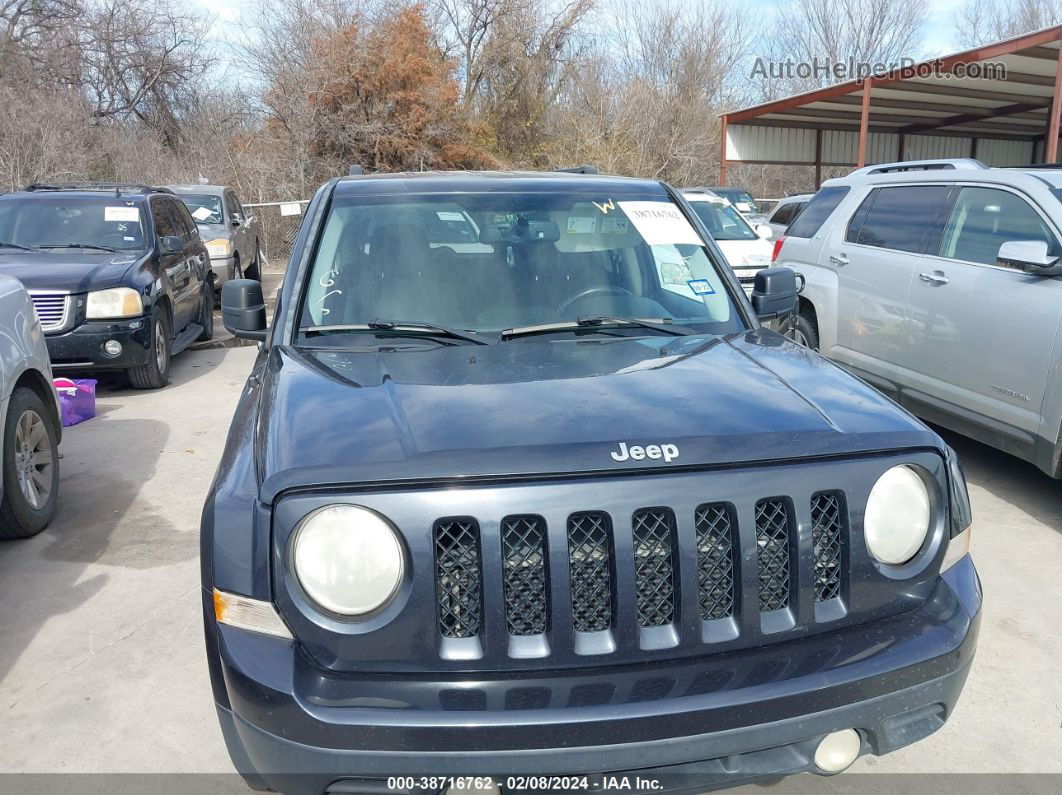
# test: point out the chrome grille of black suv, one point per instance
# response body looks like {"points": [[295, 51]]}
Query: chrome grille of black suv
{"points": [[458, 577], [630, 567], [590, 559], [524, 564], [773, 531], [654, 568], [715, 560], [827, 526]]}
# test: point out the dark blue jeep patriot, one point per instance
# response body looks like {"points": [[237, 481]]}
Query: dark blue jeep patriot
{"points": [[118, 274], [520, 489]]}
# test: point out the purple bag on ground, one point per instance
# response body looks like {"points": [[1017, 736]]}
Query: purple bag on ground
{"points": [[77, 399]]}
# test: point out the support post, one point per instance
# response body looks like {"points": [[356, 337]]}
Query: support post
{"points": [[1051, 144], [722, 151], [818, 159], [864, 117]]}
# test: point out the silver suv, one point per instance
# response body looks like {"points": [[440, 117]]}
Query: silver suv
{"points": [[940, 283], [29, 418]]}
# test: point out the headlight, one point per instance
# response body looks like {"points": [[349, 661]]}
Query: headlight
{"points": [[348, 559], [118, 302], [897, 518], [219, 248]]}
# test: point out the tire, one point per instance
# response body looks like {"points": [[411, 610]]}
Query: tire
{"points": [[206, 313], [30, 466], [254, 270], [154, 374], [806, 331]]}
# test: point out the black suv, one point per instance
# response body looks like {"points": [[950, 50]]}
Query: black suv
{"points": [[520, 489], [118, 274]]}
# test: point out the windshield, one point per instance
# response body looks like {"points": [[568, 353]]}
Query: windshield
{"points": [[47, 221], [205, 209], [489, 262], [744, 202], [723, 221]]}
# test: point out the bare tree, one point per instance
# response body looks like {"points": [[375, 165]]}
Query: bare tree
{"points": [[834, 31], [982, 21]]}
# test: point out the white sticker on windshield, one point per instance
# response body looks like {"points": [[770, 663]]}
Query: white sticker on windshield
{"points": [[449, 215], [202, 213], [581, 225], [121, 214], [661, 223]]}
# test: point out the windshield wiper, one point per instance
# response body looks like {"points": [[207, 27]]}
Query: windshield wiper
{"points": [[15, 245], [398, 327], [662, 325], [78, 245]]}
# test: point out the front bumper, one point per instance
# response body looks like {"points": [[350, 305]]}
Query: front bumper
{"points": [[689, 724], [82, 347], [222, 268]]}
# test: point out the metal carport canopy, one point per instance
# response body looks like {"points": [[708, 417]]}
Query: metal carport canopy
{"points": [[929, 110]]}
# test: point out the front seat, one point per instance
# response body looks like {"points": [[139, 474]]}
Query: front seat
{"points": [[408, 287]]}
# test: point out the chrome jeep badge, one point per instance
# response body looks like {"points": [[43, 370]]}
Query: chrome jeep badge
{"points": [[635, 452]]}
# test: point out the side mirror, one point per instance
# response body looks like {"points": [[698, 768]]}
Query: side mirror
{"points": [[237, 219], [1032, 256], [171, 244], [243, 309], [764, 232], [774, 293]]}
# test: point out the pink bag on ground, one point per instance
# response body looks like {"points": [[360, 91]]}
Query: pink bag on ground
{"points": [[77, 399]]}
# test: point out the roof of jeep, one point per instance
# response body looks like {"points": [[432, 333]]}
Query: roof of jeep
{"points": [[490, 181]]}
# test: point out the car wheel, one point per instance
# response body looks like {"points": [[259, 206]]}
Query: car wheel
{"points": [[254, 270], [30, 466], [805, 331], [154, 373], [206, 313]]}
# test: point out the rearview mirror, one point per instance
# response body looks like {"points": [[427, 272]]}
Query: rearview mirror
{"points": [[243, 310], [774, 293], [171, 244], [1032, 256], [764, 232]]}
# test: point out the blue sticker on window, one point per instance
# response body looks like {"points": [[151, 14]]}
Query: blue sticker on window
{"points": [[701, 286]]}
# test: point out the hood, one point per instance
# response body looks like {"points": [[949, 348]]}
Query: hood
{"points": [[746, 252], [73, 271], [214, 232], [562, 406]]}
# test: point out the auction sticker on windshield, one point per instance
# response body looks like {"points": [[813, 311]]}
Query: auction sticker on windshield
{"points": [[121, 214], [661, 223]]}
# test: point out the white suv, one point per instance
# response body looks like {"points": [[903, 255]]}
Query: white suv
{"points": [[940, 283], [29, 418]]}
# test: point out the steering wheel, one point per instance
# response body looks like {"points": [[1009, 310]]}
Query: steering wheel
{"points": [[608, 290]]}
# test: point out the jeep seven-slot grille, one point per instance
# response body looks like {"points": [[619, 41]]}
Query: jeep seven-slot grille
{"points": [[715, 560], [827, 533], [654, 568], [773, 530], [524, 564], [590, 561], [458, 577], [649, 540]]}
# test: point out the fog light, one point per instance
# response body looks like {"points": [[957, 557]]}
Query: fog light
{"points": [[837, 751], [112, 347]]}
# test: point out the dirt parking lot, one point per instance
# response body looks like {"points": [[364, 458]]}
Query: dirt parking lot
{"points": [[101, 656]]}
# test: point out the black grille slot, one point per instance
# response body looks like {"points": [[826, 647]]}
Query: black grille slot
{"points": [[773, 523], [715, 560], [590, 561], [654, 567], [828, 525], [458, 577], [524, 562]]}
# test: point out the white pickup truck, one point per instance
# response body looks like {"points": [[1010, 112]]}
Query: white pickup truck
{"points": [[30, 429]]}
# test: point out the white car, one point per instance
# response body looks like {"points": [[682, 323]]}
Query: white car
{"points": [[30, 429], [784, 212], [746, 248]]}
